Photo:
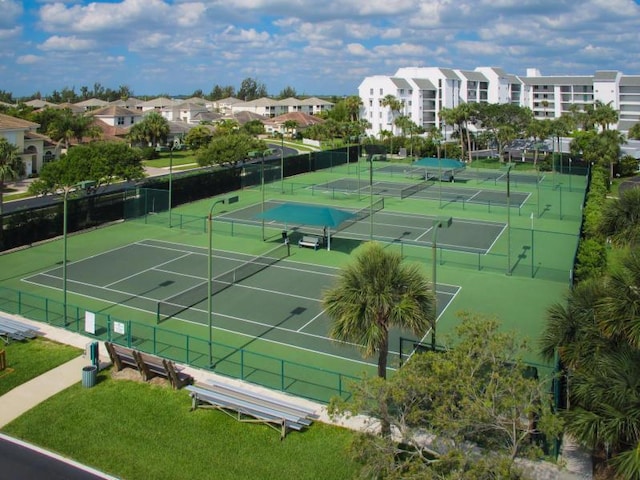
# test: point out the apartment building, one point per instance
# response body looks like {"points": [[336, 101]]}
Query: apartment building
{"points": [[424, 91]]}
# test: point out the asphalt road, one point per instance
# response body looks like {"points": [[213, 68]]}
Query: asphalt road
{"points": [[20, 461]]}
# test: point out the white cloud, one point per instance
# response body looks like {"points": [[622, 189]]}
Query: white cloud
{"points": [[10, 33], [11, 12], [28, 59], [72, 43]]}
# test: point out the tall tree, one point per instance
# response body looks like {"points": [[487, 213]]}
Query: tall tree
{"points": [[251, 89], [287, 92], [100, 162], [152, 130], [604, 115], [473, 398], [539, 130], [375, 293], [597, 336], [620, 221], [228, 149], [353, 103]]}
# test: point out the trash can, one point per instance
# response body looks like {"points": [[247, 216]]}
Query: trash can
{"points": [[89, 376]]}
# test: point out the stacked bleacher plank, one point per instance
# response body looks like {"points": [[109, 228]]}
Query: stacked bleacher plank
{"points": [[15, 330], [248, 406]]}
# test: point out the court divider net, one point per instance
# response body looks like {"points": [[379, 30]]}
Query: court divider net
{"points": [[172, 306]]}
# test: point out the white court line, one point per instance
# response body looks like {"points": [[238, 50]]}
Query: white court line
{"points": [[288, 345], [430, 229], [310, 322]]}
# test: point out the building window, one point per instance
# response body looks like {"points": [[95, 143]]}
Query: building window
{"points": [[381, 92], [402, 91], [120, 121], [133, 120], [371, 91], [371, 102]]}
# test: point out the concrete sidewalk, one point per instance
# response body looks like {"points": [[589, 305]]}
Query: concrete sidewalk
{"points": [[28, 395]]}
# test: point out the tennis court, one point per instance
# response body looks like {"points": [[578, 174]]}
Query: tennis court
{"points": [[429, 190], [466, 235], [285, 305], [459, 174]]}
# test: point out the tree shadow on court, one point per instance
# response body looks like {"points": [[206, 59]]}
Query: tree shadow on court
{"points": [[344, 245], [294, 312]]}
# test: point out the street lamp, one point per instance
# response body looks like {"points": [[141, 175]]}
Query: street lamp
{"points": [[228, 200], [438, 223]]}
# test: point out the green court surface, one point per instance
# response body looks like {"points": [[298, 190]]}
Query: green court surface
{"points": [[269, 328], [285, 296]]}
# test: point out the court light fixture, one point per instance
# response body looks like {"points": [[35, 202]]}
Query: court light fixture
{"points": [[507, 168], [438, 223], [229, 201]]}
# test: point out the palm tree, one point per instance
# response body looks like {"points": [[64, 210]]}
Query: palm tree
{"points": [[290, 126], [375, 293], [11, 165], [539, 130], [597, 337], [353, 104], [157, 126], [395, 105], [620, 221], [604, 115]]}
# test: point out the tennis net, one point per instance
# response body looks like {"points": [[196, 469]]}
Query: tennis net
{"points": [[172, 306], [362, 214], [415, 188]]}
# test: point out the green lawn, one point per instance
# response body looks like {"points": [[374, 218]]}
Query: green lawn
{"points": [[27, 360], [134, 430], [179, 158]]}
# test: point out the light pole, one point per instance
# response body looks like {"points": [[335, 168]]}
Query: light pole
{"points": [[371, 198], [282, 163], [170, 181], [438, 223], [64, 253], [532, 249], [508, 167], [228, 200], [254, 154]]}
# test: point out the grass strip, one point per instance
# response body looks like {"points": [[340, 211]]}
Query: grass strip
{"points": [[134, 430], [27, 360]]}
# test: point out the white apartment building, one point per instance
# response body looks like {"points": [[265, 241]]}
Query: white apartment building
{"points": [[424, 91]]}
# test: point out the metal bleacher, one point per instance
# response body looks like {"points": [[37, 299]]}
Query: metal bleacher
{"points": [[248, 406], [15, 330]]}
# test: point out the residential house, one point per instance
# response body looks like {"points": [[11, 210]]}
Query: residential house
{"points": [[115, 122], [183, 112], [277, 124], [35, 149]]}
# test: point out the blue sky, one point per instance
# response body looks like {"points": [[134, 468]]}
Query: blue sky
{"points": [[318, 47]]}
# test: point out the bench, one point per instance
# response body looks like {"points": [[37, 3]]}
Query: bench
{"points": [[310, 241], [14, 330], [149, 366], [248, 406]]}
